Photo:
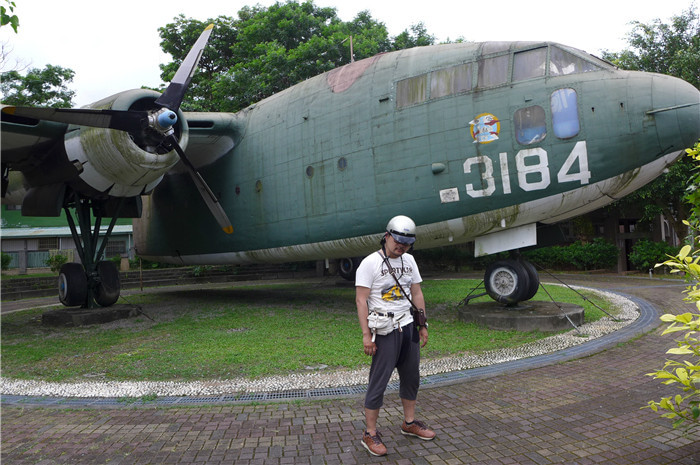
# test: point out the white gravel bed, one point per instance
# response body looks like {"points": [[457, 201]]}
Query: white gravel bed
{"points": [[626, 313]]}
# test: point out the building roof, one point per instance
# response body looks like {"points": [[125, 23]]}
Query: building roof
{"points": [[23, 233]]}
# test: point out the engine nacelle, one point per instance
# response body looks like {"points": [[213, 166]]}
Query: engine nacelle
{"points": [[118, 163]]}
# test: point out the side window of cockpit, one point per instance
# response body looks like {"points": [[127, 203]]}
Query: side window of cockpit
{"points": [[530, 126], [529, 64], [565, 122], [563, 63], [493, 71], [411, 91]]}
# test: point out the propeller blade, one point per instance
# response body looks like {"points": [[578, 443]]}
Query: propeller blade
{"points": [[173, 95], [204, 190], [110, 119]]}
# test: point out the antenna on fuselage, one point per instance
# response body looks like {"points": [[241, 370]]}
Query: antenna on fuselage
{"points": [[352, 53]]}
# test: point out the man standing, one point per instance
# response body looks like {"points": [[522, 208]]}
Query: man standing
{"points": [[387, 281]]}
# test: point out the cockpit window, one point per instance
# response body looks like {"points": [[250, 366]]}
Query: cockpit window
{"points": [[563, 63], [529, 64], [493, 71]]}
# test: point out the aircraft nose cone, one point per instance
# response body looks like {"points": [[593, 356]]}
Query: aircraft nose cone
{"points": [[676, 110]]}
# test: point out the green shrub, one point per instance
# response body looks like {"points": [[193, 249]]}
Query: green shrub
{"points": [[55, 262], [6, 260], [684, 374], [645, 254], [595, 255]]}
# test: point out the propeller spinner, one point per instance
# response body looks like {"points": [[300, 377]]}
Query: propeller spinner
{"points": [[158, 124]]}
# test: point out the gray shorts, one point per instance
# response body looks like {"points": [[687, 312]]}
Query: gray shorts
{"points": [[400, 350]]}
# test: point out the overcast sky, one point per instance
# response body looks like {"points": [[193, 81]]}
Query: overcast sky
{"points": [[114, 45]]}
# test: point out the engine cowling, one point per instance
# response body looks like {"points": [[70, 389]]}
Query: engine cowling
{"points": [[119, 163]]}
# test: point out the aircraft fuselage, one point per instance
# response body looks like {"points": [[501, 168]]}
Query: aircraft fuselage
{"points": [[466, 139]]}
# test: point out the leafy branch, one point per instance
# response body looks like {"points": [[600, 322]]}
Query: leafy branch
{"points": [[6, 18]]}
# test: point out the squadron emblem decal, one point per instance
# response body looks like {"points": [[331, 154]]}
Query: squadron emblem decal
{"points": [[485, 128]]}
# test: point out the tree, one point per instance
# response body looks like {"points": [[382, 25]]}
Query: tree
{"points": [[675, 50], [417, 37], [664, 48], [39, 87], [177, 39], [265, 50]]}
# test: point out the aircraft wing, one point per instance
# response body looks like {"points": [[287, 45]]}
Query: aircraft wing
{"points": [[211, 136], [25, 139]]}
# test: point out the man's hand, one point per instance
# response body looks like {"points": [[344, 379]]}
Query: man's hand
{"points": [[423, 333], [370, 347]]}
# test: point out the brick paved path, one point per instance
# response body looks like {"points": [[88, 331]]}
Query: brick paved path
{"points": [[585, 411]]}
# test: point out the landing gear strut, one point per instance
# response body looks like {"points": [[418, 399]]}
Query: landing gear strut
{"points": [[94, 282]]}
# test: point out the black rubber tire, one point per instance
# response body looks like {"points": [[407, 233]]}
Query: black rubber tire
{"points": [[72, 285], [506, 281], [347, 267], [107, 291], [534, 279]]}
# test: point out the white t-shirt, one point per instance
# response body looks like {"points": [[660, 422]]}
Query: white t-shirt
{"points": [[385, 295]]}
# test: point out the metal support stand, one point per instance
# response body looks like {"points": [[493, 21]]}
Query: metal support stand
{"points": [[469, 296], [579, 294]]}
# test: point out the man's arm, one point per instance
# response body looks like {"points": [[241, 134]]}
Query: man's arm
{"points": [[361, 296]]}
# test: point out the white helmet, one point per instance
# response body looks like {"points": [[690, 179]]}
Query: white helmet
{"points": [[402, 229]]}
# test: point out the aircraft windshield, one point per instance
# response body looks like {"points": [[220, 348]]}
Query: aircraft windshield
{"points": [[529, 64], [563, 63]]}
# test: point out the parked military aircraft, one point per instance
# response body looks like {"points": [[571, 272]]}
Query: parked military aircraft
{"points": [[483, 142]]}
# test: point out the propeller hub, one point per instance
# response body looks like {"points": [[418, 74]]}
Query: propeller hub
{"points": [[165, 119]]}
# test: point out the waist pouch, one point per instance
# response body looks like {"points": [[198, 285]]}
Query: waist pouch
{"points": [[383, 323]]}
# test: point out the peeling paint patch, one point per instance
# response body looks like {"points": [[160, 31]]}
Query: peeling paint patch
{"points": [[341, 79]]}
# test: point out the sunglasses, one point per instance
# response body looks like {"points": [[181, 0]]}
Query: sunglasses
{"points": [[403, 240]]}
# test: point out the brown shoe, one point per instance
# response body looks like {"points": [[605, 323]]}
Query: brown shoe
{"points": [[418, 429], [373, 444]]}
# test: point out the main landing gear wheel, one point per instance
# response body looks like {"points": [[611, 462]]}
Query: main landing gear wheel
{"points": [[72, 285], [107, 291], [347, 267], [534, 279], [508, 282]]}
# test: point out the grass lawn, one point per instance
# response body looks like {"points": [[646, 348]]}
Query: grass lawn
{"points": [[250, 331]]}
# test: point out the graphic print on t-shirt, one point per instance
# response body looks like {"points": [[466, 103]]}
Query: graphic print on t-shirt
{"points": [[392, 294]]}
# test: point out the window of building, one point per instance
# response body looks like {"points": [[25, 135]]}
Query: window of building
{"points": [[563, 63], [451, 80], [529, 64], [530, 126], [411, 91], [493, 71], [627, 225], [48, 243], [565, 122], [115, 248]]}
